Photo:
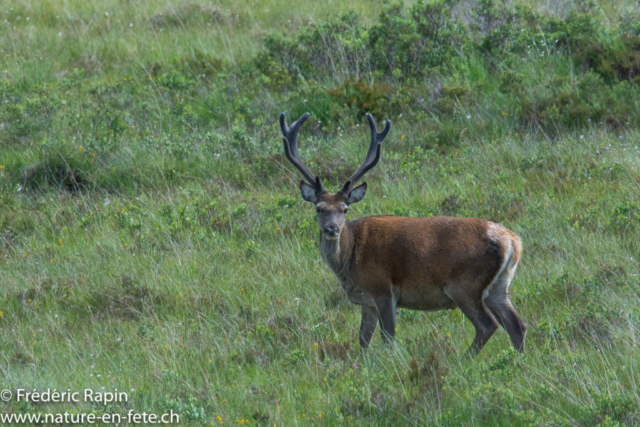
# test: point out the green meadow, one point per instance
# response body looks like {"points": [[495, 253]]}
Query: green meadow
{"points": [[153, 239]]}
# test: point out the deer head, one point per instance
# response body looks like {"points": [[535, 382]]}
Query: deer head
{"points": [[331, 209]]}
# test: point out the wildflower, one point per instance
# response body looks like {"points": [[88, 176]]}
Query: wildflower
{"points": [[402, 137], [80, 147]]}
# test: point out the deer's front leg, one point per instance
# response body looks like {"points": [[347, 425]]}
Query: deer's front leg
{"points": [[368, 326], [387, 315]]}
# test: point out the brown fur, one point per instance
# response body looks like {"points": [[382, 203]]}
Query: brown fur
{"points": [[435, 263]]}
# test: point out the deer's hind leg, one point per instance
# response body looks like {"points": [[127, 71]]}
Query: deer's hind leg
{"points": [[473, 307], [497, 300]]}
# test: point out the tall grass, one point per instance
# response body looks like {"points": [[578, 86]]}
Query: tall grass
{"points": [[152, 238]]}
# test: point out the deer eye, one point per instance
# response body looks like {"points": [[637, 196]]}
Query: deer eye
{"points": [[319, 210], [345, 210]]}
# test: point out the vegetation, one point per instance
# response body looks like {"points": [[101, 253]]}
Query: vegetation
{"points": [[153, 240]]}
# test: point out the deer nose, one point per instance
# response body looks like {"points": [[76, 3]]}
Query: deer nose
{"points": [[331, 230]]}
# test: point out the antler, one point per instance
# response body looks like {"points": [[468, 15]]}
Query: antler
{"points": [[290, 136], [373, 155]]}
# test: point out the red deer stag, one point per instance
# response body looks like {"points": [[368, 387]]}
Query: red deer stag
{"points": [[436, 263]]}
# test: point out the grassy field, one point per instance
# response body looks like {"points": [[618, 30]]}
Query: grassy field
{"points": [[153, 239]]}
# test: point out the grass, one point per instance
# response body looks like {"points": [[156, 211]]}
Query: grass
{"points": [[153, 240]]}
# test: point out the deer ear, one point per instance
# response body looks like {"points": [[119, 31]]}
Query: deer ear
{"points": [[357, 194], [308, 192]]}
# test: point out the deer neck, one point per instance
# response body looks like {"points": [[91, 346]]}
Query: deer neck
{"points": [[337, 253]]}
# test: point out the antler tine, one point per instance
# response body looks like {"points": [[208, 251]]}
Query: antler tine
{"points": [[373, 154], [290, 137]]}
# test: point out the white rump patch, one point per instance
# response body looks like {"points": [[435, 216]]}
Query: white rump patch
{"points": [[499, 287], [495, 231]]}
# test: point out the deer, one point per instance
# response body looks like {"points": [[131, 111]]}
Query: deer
{"points": [[428, 264]]}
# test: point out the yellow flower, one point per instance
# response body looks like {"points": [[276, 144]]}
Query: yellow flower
{"points": [[80, 147], [402, 137]]}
